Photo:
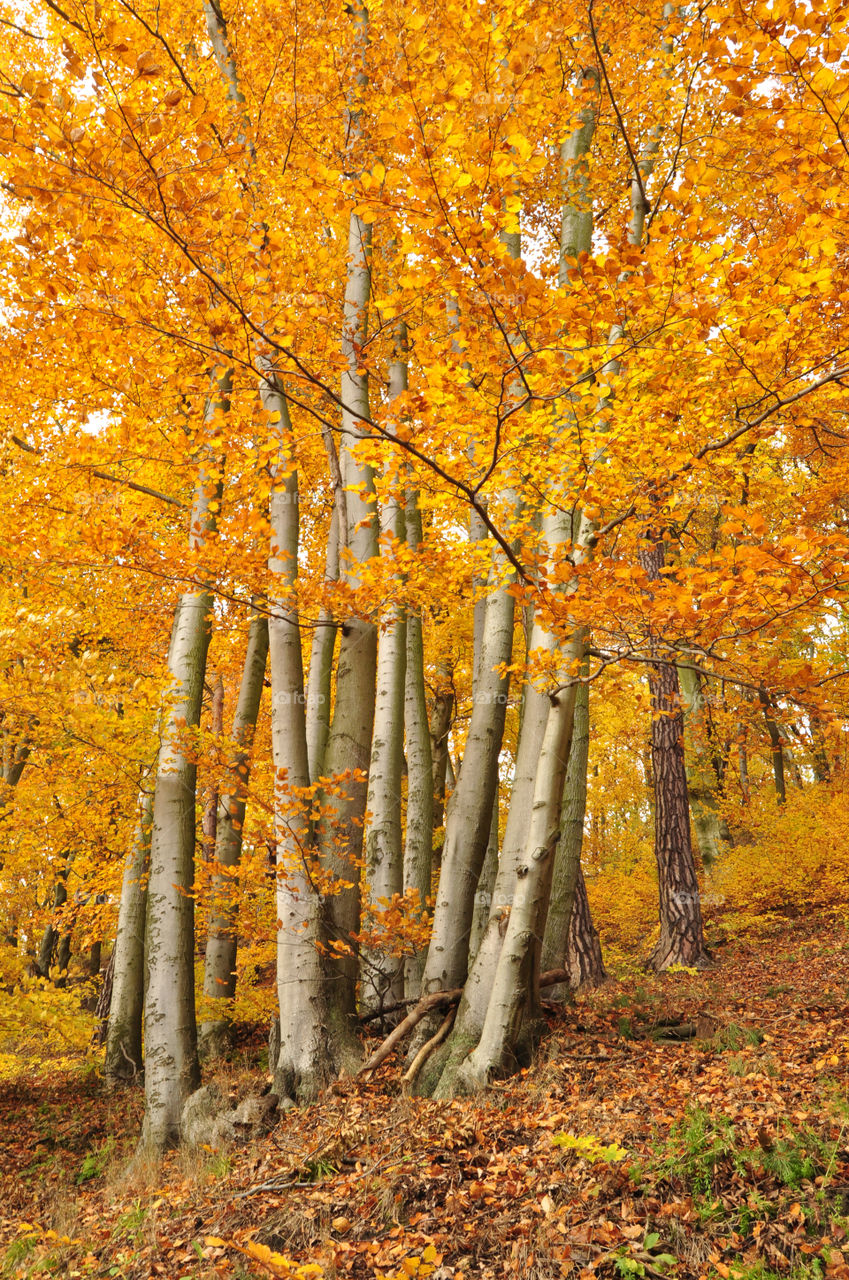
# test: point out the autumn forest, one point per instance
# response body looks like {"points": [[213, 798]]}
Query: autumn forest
{"points": [[423, 687]]}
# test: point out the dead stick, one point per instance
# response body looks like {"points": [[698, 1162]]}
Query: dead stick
{"points": [[432, 1001], [427, 1049], [413, 1018]]}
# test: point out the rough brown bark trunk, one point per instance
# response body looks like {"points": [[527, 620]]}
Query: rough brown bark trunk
{"points": [[681, 939], [584, 960]]}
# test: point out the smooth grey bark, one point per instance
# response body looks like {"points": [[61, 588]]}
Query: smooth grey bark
{"points": [[123, 1053], [320, 676], [499, 1003], [418, 837], [340, 833], [381, 972], [571, 940], [712, 834], [486, 886], [302, 1063], [219, 977], [469, 811], [209, 821], [172, 1070]]}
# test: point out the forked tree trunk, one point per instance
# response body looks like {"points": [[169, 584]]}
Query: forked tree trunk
{"points": [[219, 977], [123, 1057], [681, 939]]}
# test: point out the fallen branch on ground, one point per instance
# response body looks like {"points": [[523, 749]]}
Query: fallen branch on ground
{"points": [[436, 1000]]}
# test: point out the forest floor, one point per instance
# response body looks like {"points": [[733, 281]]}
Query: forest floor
{"points": [[622, 1152]]}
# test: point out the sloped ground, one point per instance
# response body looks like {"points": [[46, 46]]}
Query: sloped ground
{"points": [[693, 1125]]}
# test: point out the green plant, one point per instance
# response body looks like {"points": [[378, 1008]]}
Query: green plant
{"points": [[94, 1162], [16, 1254]]}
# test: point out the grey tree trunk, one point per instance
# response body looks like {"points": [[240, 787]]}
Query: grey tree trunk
{"points": [[321, 663], [418, 841], [123, 1056], [571, 941], [172, 1070], [381, 971], [219, 978]]}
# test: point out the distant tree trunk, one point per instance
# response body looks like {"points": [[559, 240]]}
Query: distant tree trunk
{"points": [[123, 1059], [681, 939], [440, 725], [703, 779], [219, 978], [47, 948], [776, 746], [209, 822]]}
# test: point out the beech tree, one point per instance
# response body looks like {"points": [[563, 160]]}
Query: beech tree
{"points": [[439, 332]]}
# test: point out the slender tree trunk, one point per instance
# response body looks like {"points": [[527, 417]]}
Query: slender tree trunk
{"points": [[440, 725], [681, 939], [302, 1060], [571, 941], [123, 1058], [219, 979], [48, 947], [172, 1070], [209, 822], [418, 842], [776, 746], [321, 663], [381, 973]]}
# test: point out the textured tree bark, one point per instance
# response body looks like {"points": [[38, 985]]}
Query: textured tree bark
{"points": [[440, 725], [219, 978], [712, 834], [584, 959], [123, 1056], [681, 939]]}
